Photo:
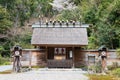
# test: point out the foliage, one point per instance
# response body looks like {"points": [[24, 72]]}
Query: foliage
{"points": [[5, 47], [13, 16], [95, 68], [92, 43], [1, 49], [46, 8], [116, 72], [118, 53], [25, 41], [5, 22], [5, 25], [77, 2], [113, 66], [22, 10], [69, 15], [100, 14], [104, 15], [4, 60]]}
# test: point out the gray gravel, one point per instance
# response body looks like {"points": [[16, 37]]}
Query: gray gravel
{"points": [[6, 67], [47, 74]]}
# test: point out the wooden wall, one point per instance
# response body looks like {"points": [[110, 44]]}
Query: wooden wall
{"points": [[80, 57], [111, 56], [50, 53], [35, 57]]}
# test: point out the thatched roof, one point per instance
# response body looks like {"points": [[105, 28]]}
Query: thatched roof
{"points": [[59, 36]]}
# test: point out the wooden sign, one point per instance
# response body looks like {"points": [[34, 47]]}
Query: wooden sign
{"points": [[103, 53], [70, 54], [60, 51]]}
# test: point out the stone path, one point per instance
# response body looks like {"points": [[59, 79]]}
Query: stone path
{"points": [[47, 74]]}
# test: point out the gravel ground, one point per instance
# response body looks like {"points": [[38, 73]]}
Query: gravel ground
{"points": [[47, 74], [6, 67]]}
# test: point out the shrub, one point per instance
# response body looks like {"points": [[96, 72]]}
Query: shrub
{"points": [[6, 63], [97, 67], [118, 53], [113, 66], [4, 60], [116, 72]]}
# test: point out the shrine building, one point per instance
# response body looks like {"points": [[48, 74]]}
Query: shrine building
{"points": [[60, 43]]}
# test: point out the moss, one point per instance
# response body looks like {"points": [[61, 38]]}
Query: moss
{"points": [[102, 77], [33, 66], [6, 72], [37, 66]]}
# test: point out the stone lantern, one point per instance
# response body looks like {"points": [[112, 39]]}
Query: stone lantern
{"points": [[17, 53], [103, 54]]}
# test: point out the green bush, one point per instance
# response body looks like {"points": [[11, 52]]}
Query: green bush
{"points": [[97, 67], [116, 72], [118, 53], [4, 60], [113, 66], [6, 63]]}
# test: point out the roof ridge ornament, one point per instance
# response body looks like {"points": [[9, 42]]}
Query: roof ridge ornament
{"points": [[59, 23], [67, 23], [73, 23], [46, 22]]}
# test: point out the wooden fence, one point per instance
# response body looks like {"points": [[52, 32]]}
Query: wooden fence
{"points": [[59, 63]]}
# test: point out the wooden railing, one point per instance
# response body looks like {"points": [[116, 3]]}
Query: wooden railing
{"points": [[59, 63]]}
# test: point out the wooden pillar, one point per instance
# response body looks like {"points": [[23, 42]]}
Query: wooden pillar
{"points": [[30, 59], [73, 57], [46, 53]]}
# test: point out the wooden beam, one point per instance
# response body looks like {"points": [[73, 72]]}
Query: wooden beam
{"points": [[46, 53], [73, 57], [30, 59]]}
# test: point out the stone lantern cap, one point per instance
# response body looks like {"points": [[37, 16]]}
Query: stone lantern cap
{"points": [[102, 48]]}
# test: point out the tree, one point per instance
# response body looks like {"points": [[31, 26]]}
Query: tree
{"points": [[100, 13], [105, 17], [1, 49], [5, 22], [5, 25]]}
